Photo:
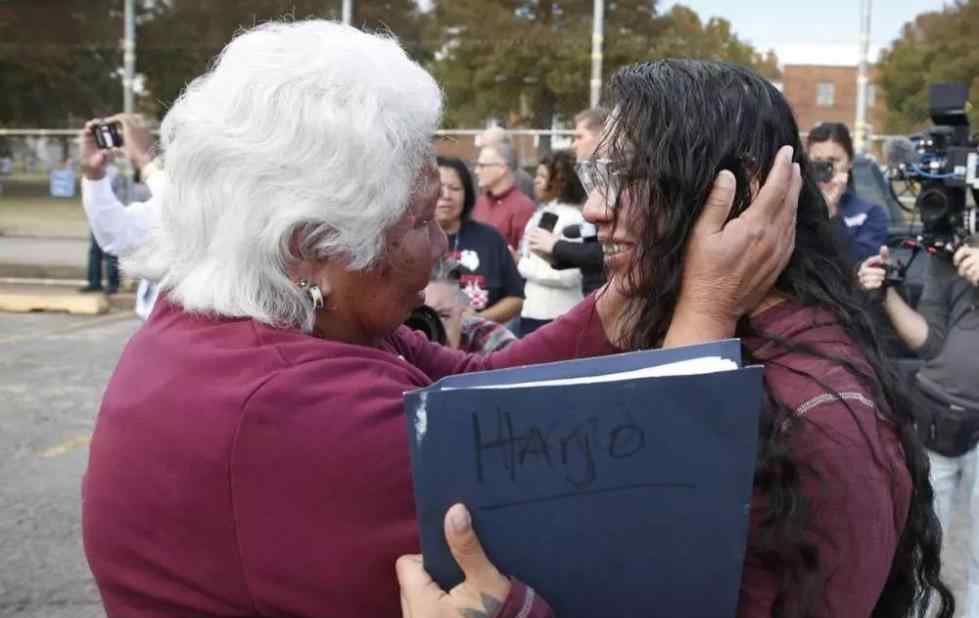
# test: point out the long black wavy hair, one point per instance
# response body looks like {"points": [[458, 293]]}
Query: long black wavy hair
{"points": [[675, 125]]}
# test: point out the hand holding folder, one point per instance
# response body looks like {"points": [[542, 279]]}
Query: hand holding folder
{"points": [[610, 486]]}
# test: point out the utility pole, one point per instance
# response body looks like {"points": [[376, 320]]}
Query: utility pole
{"points": [[348, 11], [860, 125], [597, 40], [129, 57]]}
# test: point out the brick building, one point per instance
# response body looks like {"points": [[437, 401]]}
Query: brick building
{"points": [[820, 93]]}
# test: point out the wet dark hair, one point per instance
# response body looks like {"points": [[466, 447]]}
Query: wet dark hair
{"points": [[676, 124], [468, 190], [563, 183], [831, 132]]}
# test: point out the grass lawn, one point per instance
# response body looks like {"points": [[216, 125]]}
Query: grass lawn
{"points": [[26, 209]]}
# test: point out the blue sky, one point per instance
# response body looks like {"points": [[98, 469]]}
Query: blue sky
{"points": [[814, 31]]}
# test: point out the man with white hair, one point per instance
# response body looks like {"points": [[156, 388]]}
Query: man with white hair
{"points": [[500, 203], [498, 135]]}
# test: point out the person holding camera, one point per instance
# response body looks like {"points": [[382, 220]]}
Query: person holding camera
{"points": [[944, 332], [120, 227], [863, 225]]}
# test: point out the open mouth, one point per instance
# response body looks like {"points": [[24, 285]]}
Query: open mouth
{"points": [[614, 248]]}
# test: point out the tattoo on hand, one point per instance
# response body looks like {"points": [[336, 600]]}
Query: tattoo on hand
{"points": [[491, 607]]}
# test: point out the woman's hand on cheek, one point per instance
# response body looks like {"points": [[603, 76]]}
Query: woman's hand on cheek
{"points": [[730, 268]]}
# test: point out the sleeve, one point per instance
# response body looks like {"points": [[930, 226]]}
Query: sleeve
{"points": [[521, 218], [587, 254], [872, 234], [577, 334], [523, 602], [535, 268], [320, 483], [117, 229], [935, 306]]}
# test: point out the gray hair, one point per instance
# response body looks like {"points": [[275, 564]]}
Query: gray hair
{"points": [[447, 271], [303, 142], [504, 148], [594, 118]]}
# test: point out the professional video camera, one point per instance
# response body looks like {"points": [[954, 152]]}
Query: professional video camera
{"points": [[942, 162]]}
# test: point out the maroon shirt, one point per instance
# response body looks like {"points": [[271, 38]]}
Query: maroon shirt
{"points": [[508, 212], [242, 470], [854, 474]]}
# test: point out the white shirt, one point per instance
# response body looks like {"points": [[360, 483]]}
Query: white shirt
{"points": [[549, 293], [121, 229]]}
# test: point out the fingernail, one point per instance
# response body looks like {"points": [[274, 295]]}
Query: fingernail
{"points": [[459, 518], [789, 153], [725, 179]]}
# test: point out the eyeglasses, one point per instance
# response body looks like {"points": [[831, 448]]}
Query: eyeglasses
{"points": [[599, 174]]}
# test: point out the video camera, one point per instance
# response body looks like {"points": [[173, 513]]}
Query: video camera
{"points": [[943, 161]]}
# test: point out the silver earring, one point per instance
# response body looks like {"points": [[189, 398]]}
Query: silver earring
{"points": [[314, 293]]}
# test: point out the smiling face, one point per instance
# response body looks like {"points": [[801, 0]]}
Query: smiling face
{"points": [[364, 306]]}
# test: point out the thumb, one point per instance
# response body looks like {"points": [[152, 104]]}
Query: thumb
{"points": [[718, 205], [885, 254], [464, 545]]}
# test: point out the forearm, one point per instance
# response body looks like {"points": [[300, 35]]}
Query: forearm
{"points": [[910, 325], [504, 310]]}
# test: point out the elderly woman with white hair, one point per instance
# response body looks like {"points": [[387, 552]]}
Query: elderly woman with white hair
{"points": [[250, 456]]}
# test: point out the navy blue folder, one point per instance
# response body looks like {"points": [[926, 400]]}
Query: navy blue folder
{"points": [[622, 498]]}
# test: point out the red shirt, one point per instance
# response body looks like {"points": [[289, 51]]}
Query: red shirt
{"points": [[241, 470], [508, 212]]}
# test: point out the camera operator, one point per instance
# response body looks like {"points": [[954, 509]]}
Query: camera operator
{"points": [[119, 228], [864, 224], [944, 332]]}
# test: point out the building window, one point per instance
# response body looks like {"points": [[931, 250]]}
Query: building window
{"points": [[826, 94]]}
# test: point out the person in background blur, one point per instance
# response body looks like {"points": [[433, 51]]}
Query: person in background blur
{"points": [[490, 278], [500, 203], [549, 292], [579, 247], [464, 329], [588, 132], [498, 135], [121, 225], [864, 224]]}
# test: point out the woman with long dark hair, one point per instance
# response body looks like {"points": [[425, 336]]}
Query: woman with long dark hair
{"points": [[842, 523]]}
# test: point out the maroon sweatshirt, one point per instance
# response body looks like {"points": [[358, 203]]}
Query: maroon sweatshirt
{"points": [[851, 465], [242, 470]]}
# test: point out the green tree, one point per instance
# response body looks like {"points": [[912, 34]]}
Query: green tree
{"points": [[531, 58], [59, 61], [179, 38], [936, 47]]}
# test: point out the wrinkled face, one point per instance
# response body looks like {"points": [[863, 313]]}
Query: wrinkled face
{"points": [[452, 197], [491, 169], [585, 140], [541, 181], [374, 302], [835, 154]]}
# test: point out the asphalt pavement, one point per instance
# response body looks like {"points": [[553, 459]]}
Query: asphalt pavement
{"points": [[54, 370]]}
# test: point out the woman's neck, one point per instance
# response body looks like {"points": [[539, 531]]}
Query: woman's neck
{"points": [[451, 227]]}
